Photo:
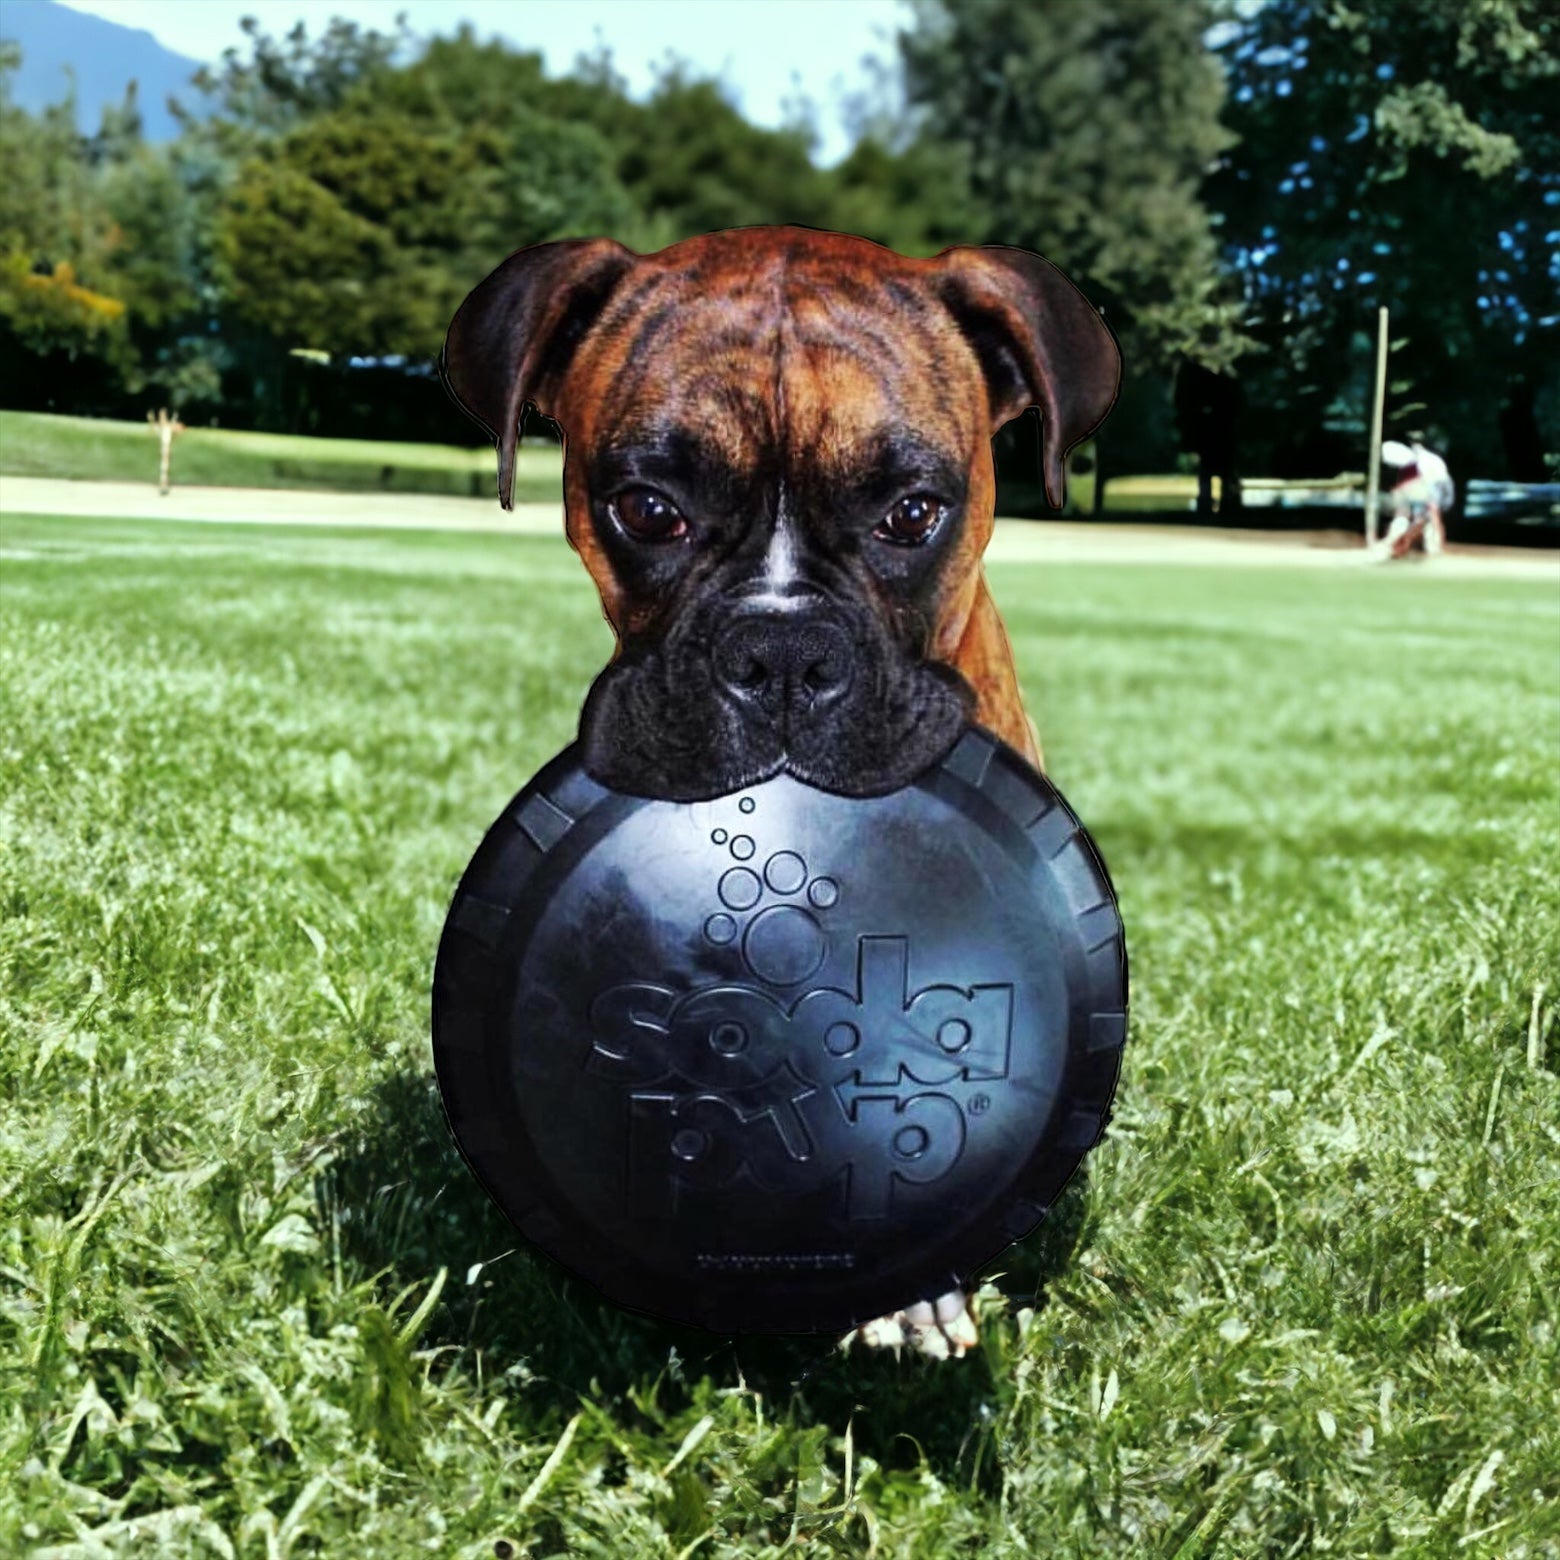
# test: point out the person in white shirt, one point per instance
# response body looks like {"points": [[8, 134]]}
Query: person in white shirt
{"points": [[1422, 491]]}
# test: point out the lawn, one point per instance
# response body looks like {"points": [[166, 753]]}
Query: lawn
{"points": [[251, 1304], [39, 444]]}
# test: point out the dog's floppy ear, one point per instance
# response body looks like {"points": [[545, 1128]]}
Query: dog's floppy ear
{"points": [[1041, 343], [515, 333]]}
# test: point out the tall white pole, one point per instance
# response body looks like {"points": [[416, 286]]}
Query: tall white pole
{"points": [[1373, 455]]}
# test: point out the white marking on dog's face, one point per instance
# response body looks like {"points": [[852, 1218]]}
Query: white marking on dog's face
{"points": [[780, 571]]}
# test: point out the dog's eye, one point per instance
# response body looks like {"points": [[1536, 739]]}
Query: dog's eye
{"points": [[648, 516], [912, 520]]}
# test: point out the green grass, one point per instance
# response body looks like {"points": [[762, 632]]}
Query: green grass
{"points": [[38, 444], [251, 1304]]}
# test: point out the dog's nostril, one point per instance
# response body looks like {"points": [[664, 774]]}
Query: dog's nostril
{"points": [[824, 674]]}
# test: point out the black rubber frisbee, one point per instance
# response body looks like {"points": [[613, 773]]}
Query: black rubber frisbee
{"points": [[783, 1061]]}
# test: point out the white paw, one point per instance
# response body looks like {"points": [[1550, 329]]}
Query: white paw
{"points": [[940, 1330]]}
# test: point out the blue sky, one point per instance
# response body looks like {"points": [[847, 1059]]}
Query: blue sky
{"points": [[766, 49]]}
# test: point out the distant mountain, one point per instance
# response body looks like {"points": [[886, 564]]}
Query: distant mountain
{"points": [[103, 56]]}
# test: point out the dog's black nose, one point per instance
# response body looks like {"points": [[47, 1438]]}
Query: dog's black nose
{"points": [[788, 665]]}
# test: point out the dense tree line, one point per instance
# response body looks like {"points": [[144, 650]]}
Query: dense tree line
{"points": [[1238, 189], [1407, 155]]}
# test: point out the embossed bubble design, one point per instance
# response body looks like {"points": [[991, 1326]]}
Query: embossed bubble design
{"points": [[740, 889], [785, 872], [783, 945]]}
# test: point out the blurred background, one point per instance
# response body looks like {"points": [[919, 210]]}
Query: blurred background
{"points": [[265, 221]]}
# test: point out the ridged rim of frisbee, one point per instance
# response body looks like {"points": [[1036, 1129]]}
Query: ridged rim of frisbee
{"points": [[472, 989]]}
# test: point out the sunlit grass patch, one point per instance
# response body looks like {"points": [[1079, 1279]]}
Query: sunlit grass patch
{"points": [[251, 1303], [82, 449]]}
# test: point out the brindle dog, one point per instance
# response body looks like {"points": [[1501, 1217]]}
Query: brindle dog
{"points": [[778, 471]]}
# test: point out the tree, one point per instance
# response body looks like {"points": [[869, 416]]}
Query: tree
{"points": [[360, 230], [1086, 131], [65, 311], [689, 159], [40, 195], [1406, 155], [360, 225], [907, 192], [284, 81], [350, 188]]}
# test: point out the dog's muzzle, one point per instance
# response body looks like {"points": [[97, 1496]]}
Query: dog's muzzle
{"points": [[748, 683]]}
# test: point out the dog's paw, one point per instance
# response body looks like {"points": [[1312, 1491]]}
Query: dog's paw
{"points": [[941, 1330]]}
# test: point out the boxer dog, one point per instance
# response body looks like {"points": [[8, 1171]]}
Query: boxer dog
{"points": [[778, 473]]}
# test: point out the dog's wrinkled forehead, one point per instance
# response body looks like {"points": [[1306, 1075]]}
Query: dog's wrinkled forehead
{"points": [[812, 355], [810, 341]]}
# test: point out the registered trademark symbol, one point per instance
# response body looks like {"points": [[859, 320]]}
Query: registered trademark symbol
{"points": [[980, 1104]]}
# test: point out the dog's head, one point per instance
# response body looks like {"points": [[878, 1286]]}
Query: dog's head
{"points": [[778, 472]]}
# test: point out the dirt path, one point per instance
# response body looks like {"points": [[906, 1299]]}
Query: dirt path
{"points": [[1015, 540]]}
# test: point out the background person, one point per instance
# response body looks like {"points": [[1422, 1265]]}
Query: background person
{"points": [[1422, 491]]}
